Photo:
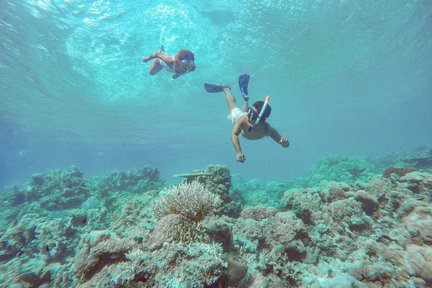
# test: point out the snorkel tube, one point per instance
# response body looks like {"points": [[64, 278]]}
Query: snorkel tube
{"points": [[266, 100]]}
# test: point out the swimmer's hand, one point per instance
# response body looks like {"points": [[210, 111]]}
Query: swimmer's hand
{"points": [[240, 157], [284, 142]]}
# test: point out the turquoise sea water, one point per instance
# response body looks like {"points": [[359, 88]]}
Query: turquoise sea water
{"points": [[345, 77]]}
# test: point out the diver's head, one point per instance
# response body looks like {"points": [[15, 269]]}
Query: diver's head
{"points": [[257, 107], [186, 58], [185, 54]]}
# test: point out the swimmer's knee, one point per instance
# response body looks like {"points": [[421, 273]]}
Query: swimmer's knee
{"points": [[154, 70]]}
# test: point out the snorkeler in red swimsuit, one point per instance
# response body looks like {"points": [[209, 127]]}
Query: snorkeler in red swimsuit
{"points": [[180, 64]]}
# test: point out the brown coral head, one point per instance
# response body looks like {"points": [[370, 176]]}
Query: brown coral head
{"points": [[400, 171]]}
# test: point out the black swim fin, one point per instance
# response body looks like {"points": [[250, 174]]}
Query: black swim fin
{"points": [[243, 82], [211, 88]]}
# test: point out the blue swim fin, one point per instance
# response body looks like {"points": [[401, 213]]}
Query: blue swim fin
{"points": [[243, 82]]}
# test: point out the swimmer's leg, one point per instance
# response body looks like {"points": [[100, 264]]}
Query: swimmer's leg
{"points": [[155, 67]]}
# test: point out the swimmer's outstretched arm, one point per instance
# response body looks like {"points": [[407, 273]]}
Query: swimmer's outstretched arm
{"points": [[274, 134]]}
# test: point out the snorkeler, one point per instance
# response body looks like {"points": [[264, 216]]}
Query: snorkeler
{"points": [[180, 64], [250, 121]]}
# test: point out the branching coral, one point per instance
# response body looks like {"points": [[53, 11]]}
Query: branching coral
{"points": [[191, 200], [180, 211], [176, 228]]}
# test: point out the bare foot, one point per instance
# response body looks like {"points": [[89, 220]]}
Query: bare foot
{"points": [[146, 59]]}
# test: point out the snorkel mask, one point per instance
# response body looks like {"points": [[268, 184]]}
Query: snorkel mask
{"points": [[188, 65], [253, 117], [186, 59]]}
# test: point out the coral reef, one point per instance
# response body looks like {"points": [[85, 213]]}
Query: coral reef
{"points": [[400, 171], [136, 180], [98, 249], [348, 224], [342, 169], [57, 190], [256, 192]]}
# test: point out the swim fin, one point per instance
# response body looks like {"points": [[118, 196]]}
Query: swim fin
{"points": [[243, 82], [211, 88]]}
